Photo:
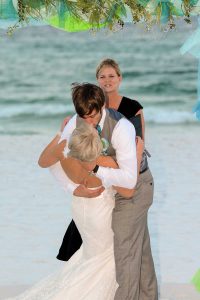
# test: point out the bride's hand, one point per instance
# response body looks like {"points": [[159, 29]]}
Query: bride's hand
{"points": [[57, 151], [64, 123], [83, 191]]}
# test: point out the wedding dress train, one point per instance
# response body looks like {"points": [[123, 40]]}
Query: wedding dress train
{"points": [[90, 273]]}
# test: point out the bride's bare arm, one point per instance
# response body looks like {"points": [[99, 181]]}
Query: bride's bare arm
{"points": [[74, 170], [47, 157], [72, 167]]}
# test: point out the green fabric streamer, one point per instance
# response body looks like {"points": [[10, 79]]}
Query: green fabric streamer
{"points": [[70, 23], [196, 280]]}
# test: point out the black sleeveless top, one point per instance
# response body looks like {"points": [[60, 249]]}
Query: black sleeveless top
{"points": [[129, 107]]}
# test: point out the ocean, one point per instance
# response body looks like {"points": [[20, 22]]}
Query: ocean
{"points": [[37, 67]]}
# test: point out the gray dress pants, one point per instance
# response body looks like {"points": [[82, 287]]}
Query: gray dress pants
{"points": [[135, 271]]}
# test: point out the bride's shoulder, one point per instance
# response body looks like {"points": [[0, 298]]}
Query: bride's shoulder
{"points": [[76, 173], [73, 169]]}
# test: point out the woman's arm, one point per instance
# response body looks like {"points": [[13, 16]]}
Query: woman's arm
{"points": [[140, 150], [47, 157], [75, 171], [140, 112], [73, 168]]}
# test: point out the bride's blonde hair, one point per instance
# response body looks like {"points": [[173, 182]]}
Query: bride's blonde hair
{"points": [[84, 143]]}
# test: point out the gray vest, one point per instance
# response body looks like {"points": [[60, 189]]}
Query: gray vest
{"points": [[111, 119]]}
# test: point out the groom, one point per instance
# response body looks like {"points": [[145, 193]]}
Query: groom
{"points": [[134, 265]]}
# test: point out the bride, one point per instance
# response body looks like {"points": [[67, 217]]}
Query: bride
{"points": [[90, 273]]}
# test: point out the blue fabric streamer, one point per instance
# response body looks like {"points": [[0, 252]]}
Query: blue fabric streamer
{"points": [[196, 108], [9, 15], [61, 14], [7, 10], [165, 11], [192, 46]]}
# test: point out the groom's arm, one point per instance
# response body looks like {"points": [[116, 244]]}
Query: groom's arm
{"points": [[123, 141]]}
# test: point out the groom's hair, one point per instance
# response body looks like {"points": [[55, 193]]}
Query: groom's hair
{"points": [[87, 97]]}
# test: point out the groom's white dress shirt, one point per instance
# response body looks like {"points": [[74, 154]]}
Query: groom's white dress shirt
{"points": [[123, 141]]}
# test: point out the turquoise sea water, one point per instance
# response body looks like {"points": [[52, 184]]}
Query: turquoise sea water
{"points": [[38, 64]]}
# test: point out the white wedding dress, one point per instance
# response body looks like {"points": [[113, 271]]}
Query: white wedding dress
{"points": [[90, 273]]}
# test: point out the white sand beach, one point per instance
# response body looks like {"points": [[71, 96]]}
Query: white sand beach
{"points": [[167, 292], [35, 212]]}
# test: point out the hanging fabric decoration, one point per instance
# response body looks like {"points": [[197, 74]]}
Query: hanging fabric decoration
{"points": [[192, 46], [83, 15], [7, 10], [11, 13], [64, 18], [8, 14]]}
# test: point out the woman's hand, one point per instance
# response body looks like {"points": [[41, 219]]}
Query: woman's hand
{"points": [[52, 153], [83, 191], [139, 150], [57, 151], [64, 123], [139, 145]]}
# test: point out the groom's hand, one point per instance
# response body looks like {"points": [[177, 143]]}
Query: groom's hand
{"points": [[83, 191]]}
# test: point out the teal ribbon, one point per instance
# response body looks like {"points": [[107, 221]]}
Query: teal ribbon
{"points": [[61, 13], [165, 11], [98, 128]]}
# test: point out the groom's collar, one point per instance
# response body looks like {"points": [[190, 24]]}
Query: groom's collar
{"points": [[101, 123]]}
